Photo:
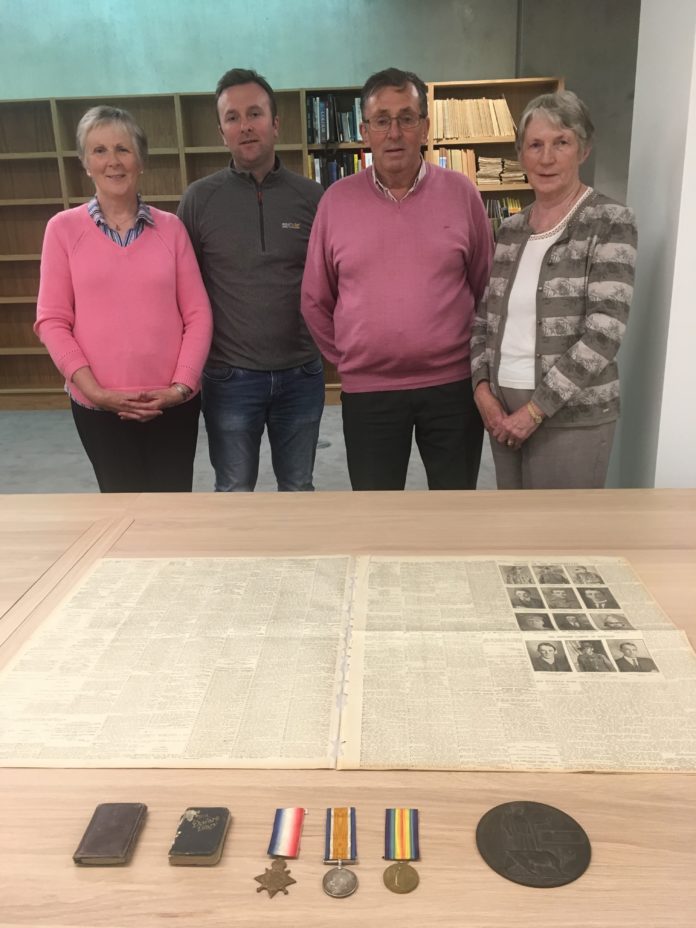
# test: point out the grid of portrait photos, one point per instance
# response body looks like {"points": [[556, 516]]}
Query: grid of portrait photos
{"points": [[574, 598]]}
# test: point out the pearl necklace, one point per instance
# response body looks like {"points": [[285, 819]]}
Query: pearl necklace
{"points": [[560, 209], [563, 221]]}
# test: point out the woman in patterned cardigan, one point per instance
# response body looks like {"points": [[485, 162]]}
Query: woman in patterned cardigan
{"points": [[546, 334]]}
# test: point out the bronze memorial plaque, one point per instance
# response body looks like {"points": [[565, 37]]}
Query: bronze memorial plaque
{"points": [[533, 844]]}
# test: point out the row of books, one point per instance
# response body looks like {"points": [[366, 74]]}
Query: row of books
{"points": [[472, 118], [331, 118], [488, 172], [326, 169], [499, 208], [459, 159]]}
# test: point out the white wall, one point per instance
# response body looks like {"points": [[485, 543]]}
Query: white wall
{"points": [[676, 447], [593, 44], [63, 48], [657, 432]]}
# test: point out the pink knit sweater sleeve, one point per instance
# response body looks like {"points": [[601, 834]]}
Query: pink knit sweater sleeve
{"points": [[320, 285], [481, 259], [56, 303]]}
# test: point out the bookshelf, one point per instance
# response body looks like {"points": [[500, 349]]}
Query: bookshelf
{"points": [[41, 175]]}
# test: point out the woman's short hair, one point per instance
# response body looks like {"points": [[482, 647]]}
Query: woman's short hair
{"points": [[563, 109], [104, 115]]}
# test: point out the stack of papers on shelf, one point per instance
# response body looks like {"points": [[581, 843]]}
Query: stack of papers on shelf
{"points": [[489, 169], [512, 172]]}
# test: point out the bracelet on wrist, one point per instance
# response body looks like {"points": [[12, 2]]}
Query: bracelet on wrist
{"points": [[537, 418]]}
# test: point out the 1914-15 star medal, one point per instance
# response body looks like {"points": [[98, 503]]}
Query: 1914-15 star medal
{"points": [[276, 879]]}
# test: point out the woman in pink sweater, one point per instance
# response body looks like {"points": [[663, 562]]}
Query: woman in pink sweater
{"points": [[126, 319]]}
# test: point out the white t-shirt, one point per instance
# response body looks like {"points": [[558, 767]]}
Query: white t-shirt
{"points": [[519, 338]]}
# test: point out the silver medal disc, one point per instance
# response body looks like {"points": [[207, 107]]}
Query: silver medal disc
{"points": [[339, 882]]}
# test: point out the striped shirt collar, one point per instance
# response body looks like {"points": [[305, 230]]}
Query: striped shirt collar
{"points": [[142, 217], [387, 192]]}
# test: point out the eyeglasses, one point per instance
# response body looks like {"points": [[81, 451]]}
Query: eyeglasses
{"points": [[383, 123]]}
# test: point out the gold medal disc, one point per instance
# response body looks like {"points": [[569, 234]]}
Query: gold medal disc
{"points": [[401, 877]]}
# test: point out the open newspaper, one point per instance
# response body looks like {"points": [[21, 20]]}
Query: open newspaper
{"points": [[368, 662]]}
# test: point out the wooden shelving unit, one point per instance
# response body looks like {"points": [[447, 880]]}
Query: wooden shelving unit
{"points": [[517, 94], [40, 175]]}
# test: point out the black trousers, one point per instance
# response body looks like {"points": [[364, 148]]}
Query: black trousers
{"points": [[141, 457], [378, 429]]}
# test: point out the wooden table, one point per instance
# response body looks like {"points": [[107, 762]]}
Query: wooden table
{"points": [[642, 827]]}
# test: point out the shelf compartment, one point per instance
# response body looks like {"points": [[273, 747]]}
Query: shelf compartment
{"points": [[475, 140], [22, 228], [27, 372], [16, 332], [334, 112], [200, 121], [35, 178], [26, 126], [204, 163], [293, 160], [155, 114], [19, 277], [162, 176], [289, 118]]}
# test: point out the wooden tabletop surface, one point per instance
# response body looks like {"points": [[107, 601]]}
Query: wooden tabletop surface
{"points": [[642, 827]]}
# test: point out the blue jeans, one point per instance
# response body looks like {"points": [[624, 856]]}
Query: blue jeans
{"points": [[239, 403]]}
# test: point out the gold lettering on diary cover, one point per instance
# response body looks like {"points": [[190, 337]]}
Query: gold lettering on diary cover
{"points": [[200, 837]]}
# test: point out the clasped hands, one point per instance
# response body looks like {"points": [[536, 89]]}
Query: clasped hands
{"points": [[140, 407], [511, 430]]}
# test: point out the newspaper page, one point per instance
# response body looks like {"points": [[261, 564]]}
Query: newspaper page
{"points": [[428, 663], [184, 662], [509, 664]]}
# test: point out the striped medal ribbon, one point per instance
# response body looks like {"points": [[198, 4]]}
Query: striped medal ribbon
{"points": [[287, 831], [285, 842], [401, 843], [340, 847]]}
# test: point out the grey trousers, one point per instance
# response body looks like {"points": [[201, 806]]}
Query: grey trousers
{"points": [[552, 458]]}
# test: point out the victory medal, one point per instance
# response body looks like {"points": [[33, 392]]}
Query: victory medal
{"points": [[401, 844]]}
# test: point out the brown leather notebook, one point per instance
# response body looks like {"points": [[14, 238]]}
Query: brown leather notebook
{"points": [[200, 837], [110, 837]]}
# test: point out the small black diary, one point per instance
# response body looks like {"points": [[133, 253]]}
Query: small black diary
{"points": [[110, 837], [200, 837]]}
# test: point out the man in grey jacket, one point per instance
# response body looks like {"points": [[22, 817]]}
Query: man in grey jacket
{"points": [[250, 225]]}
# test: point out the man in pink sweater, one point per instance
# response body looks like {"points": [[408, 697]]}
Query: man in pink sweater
{"points": [[398, 257]]}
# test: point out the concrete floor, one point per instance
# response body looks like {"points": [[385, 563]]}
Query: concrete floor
{"points": [[41, 453]]}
